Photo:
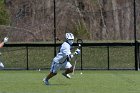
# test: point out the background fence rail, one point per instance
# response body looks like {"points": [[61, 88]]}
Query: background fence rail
{"points": [[94, 56]]}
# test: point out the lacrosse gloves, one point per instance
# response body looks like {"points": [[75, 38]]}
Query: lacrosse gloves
{"points": [[77, 51], [5, 40]]}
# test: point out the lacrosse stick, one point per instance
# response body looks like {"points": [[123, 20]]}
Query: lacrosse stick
{"points": [[74, 65], [75, 61]]}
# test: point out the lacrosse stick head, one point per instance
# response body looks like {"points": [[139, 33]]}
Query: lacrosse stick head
{"points": [[79, 42]]}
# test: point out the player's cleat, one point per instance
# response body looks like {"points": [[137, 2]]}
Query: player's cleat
{"points": [[46, 81], [66, 75]]}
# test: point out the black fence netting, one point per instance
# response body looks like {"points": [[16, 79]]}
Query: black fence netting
{"points": [[94, 56]]}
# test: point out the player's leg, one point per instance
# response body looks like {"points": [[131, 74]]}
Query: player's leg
{"points": [[69, 69], [54, 68], [50, 75]]}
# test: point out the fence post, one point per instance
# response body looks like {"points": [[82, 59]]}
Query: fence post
{"points": [[108, 57], [135, 37], [136, 56], [54, 25], [80, 41], [27, 57]]}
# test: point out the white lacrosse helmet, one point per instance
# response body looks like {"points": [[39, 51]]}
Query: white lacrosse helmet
{"points": [[70, 38]]}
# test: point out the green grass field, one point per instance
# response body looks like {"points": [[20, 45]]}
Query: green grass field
{"points": [[91, 81]]}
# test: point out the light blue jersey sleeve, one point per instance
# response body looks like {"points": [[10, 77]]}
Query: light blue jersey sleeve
{"points": [[65, 49]]}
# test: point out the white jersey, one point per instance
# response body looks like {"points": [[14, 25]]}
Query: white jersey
{"points": [[64, 51]]}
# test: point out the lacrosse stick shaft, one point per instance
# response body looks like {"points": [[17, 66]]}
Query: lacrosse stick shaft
{"points": [[79, 46], [74, 65]]}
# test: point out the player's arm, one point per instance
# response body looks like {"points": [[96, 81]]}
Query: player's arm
{"points": [[67, 52], [3, 42], [71, 55]]}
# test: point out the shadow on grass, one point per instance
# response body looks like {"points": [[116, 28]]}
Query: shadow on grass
{"points": [[57, 85]]}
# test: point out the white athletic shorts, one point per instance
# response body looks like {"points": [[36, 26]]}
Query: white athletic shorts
{"points": [[57, 66]]}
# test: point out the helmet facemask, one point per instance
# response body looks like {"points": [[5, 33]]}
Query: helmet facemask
{"points": [[70, 41]]}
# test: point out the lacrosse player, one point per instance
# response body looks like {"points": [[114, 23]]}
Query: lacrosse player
{"points": [[1, 45], [62, 59]]}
